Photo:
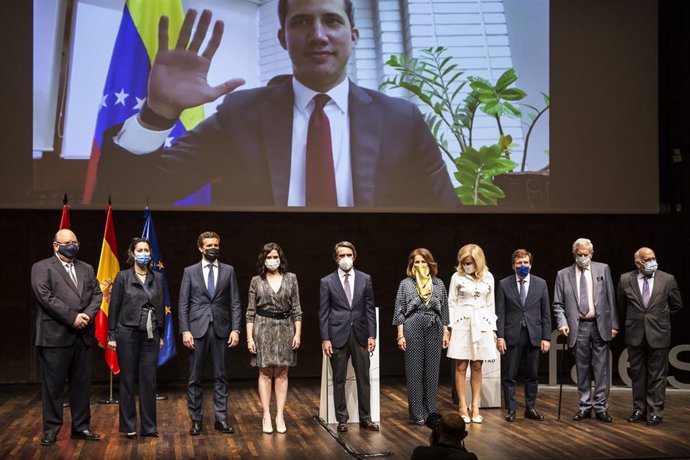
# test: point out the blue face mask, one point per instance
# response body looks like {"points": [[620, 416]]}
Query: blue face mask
{"points": [[142, 258], [522, 270], [650, 267]]}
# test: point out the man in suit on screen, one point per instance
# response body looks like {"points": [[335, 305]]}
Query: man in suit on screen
{"points": [[585, 310], [347, 321], [69, 297], [523, 329], [647, 297], [210, 315], [315, 140]]}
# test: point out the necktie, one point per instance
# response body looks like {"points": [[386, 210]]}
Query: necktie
{"points": [[348, 292], [523, 293], [72, 275], [584, 298], [645, 291], [211, 281], [320, 177]]}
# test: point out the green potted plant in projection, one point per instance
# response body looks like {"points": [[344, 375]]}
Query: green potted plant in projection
{"points": [[439, 84]]}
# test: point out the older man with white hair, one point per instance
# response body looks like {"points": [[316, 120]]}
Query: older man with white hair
{"points": [[585, 310], [647, 297]]}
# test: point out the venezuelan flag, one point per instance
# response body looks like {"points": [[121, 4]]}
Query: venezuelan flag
{"points": [[125, 88], [108, 267]]}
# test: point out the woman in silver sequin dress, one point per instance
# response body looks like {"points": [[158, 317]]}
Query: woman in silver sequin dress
{"points": [[274, 326]]}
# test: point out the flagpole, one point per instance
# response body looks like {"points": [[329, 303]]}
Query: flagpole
{"points": [[110, 400]]}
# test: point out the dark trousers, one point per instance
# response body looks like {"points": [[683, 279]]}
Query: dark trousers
{"points": [[137, 354], [73, 363], [360, 363], [208, 346], [648, 370], [423, 334], [592, 361], [522, 350]]}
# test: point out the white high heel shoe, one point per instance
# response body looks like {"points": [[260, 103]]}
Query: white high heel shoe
{"points": [[266, 425], [280, 426]]}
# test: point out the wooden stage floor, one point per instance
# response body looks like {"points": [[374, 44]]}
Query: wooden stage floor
{"points": [[20, 429]]}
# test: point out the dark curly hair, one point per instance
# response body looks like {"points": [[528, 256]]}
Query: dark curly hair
{"points": [[133, 244]]}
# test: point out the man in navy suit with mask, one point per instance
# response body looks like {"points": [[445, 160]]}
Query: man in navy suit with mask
{"points": [[523, 330], [347, 320]]}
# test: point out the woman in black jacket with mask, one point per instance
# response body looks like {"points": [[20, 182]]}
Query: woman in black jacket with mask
{"points": [[135, 329]]}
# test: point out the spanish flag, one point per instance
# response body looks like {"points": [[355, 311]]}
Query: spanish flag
{"points": [[126, 85], [108, 267], [64, 220]]}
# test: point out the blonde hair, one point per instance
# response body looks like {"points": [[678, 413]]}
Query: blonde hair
{"points": [[474, 251]]}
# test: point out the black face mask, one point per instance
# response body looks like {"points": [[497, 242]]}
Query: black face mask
{"points": [[68, 250], [211, 254]]}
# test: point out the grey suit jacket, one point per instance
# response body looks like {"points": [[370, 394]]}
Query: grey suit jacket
{"points": [[510, 312], [653, 322], [248, 142], [566, 301], [196, 304], [335, 315], [59, 302]]}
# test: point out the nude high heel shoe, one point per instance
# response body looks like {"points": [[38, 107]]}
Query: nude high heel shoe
{"points": [[280, 426], [266, 425]]}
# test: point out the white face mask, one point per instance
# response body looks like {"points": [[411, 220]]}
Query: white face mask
{"points": [[345, 263], [469, 268], [583, 261], [650, 267], [272, 264]]}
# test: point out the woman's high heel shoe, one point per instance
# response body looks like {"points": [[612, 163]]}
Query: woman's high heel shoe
{"points": [[131, 435], [466, 418], [476, 419], [280, 426], [266, 425]]}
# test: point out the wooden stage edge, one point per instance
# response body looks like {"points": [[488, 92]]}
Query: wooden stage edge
{"points": [[20, 428]]}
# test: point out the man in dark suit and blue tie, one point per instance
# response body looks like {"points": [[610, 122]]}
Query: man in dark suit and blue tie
{"points": [[347, 320], [316, 140], [523, 330], [585, 309], [69, 297], [647, 297], [210, 314]]}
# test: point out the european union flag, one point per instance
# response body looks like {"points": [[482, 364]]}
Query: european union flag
{"points": [[169, 349]]}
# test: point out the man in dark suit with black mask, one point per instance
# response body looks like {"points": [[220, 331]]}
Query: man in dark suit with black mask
{"points": [[210, 317], [69, 297], [347, 319]]}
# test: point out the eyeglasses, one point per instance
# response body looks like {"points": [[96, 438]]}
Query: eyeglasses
{"points": [[76, 243]]}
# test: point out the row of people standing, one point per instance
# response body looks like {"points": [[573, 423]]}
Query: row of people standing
{"points": [[516, 317], [477, 319]]}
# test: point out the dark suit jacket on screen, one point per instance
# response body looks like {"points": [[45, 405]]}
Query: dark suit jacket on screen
{"points": [[335, 315], [653, 322], [59, 302], [196, 304], [247, 145]]}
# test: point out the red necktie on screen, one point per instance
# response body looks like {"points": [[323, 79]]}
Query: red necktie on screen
{"points": [[320, 179]]}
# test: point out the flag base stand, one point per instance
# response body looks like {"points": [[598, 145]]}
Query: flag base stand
{"points": [[110, 399]]}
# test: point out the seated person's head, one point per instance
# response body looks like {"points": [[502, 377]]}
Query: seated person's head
{"points": [[447, 429]]}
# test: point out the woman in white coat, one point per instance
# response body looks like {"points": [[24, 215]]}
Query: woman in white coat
{"points": [[473, 325]]}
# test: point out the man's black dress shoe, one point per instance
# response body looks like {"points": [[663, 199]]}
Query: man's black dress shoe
{"points": [[196, 428], [637, 416], [342, 427], [48, 439], [654, 421], [532, 414], [150, 435], [86, 435], [581, 415], [369, 425], [223, 427], [604, 417], [510, 416]]}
